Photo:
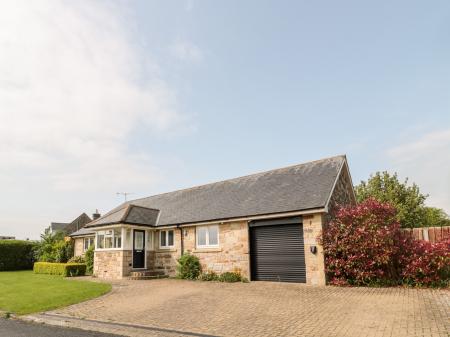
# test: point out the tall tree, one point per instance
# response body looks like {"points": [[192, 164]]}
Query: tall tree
{"points": [[407, 199]]}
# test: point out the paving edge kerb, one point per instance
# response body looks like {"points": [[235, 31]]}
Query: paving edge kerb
{"points": [[111, 327]]}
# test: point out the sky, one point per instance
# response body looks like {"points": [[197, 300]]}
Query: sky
{"points": [[100, 97]]}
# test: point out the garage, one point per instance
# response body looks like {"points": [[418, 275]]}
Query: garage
{"points": [[277, 250]]}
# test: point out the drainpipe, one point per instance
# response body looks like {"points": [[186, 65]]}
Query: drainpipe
{"points": [[182, 240]]}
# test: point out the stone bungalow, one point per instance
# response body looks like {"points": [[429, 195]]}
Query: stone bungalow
{"points": [[265, 225]]}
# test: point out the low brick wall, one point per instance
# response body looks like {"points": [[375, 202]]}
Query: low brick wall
{"points": [[431, 234]]}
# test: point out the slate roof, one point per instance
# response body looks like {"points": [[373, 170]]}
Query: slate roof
{"points": [[294, 188], [128, 214], [58, 226], [83, 232], [78, 223]]}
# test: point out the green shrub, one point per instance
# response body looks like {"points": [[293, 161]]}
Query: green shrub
{"points": [[188, 267], [77, 259], [232, 276], [208, 276], [54, 248], [63, 269], [89, 258], [16, 254]]}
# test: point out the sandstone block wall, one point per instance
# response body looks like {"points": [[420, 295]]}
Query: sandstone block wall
{"points": [[166, 258], [232, 253], [112, 264], [315, 263]]}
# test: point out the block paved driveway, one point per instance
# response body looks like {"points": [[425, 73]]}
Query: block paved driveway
{"points": [[171, 307]]}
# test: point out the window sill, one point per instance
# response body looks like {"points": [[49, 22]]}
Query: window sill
{"points": [[207, 250], [166, 250]]}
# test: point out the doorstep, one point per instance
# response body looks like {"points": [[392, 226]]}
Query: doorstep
{"points": [[146, 274]]}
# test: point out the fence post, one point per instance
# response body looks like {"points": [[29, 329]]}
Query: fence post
{"points": [[425, 234]]}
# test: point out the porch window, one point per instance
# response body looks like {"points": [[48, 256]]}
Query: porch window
{"points": [[87, 243], [208, 236], [109, 239], [166, 239]]}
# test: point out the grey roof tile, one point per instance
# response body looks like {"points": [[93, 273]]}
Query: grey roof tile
{"points": [[293, 188], [82, 232]]}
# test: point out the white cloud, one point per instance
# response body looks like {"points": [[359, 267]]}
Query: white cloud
{"points": [[73, 87], [186, 51], [426, 161]]}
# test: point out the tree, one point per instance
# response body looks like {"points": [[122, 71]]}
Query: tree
{"points": [[53, 248], [435, 217], [407, 199]]}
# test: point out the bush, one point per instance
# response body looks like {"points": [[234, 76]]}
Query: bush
{"points": [[424, 263], [53, 248], [63, 269], [188, 267], [208, 276], [364, 245], [16, 254], [232, 276], [77, 259], [89, 258], [359, 245]]}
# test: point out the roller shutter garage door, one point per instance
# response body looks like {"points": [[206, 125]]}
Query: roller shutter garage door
{"points": [[277, 252]]}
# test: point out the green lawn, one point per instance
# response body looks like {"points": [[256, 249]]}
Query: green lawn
{"points": [[23, 292]]}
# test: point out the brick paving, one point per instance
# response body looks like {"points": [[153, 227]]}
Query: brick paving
{"points": [[170, 307]]}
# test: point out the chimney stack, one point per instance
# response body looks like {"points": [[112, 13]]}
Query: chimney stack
{"points": [[96, 215]]}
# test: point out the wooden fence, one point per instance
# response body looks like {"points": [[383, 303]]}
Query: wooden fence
{"points": [[431, 234]]}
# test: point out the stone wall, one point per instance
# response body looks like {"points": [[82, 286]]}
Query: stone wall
{"points": [[127, 262], [78, 247], [166, 259], [150, 259], [232, 253], [315, 263], [343, 194], [112, 264]]}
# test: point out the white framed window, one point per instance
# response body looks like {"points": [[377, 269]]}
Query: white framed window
{"points": [[207, 236], [87, 242], [109, 239], [166, 238]]}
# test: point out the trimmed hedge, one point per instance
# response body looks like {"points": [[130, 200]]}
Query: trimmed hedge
{"points": [[63, 269], [16, 255]]}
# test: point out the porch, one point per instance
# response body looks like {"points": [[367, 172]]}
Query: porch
{"points": [[127, 251]]}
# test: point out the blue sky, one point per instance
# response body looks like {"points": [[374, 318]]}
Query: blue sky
{"points": [[152, 96]]}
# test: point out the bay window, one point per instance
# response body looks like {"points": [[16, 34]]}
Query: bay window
{"points": [[109, 239]]}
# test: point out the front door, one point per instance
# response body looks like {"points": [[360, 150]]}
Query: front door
{"points": [[138, 249]]}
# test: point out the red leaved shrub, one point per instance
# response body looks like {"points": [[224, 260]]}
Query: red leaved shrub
{"points": [[364, 245], [423, 263], [359, 244]]}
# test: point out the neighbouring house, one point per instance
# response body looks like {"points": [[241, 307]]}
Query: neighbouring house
{"points": [[69, 227], [265, 225], [83, 237]]}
